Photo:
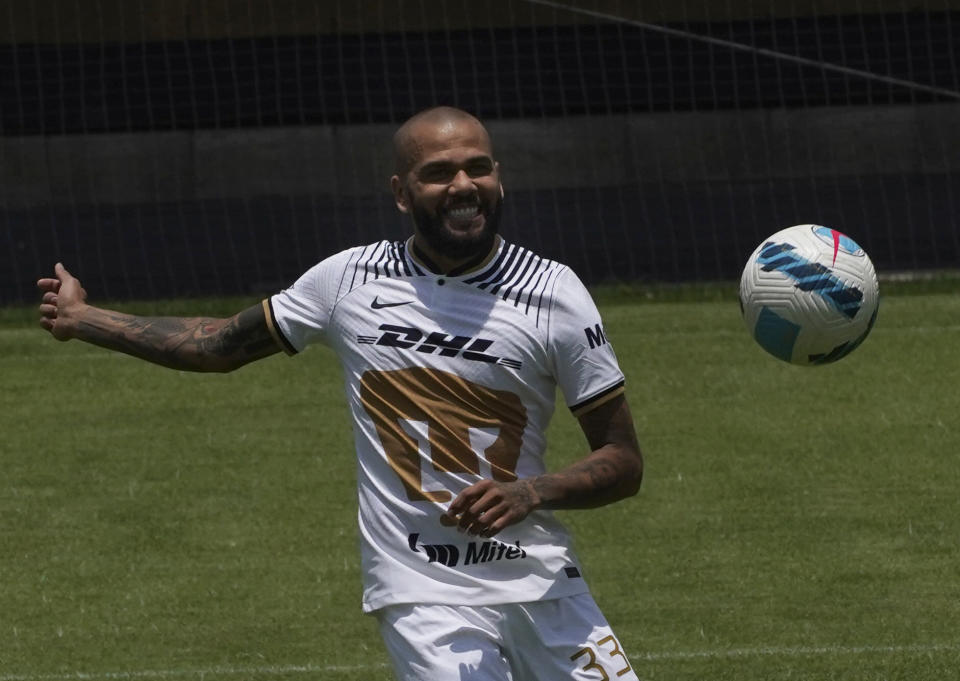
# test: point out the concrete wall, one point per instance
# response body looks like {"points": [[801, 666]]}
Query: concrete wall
{"points": [[534, 155]]}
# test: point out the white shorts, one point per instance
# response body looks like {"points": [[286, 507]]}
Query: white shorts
{"points": [[554, 640]]}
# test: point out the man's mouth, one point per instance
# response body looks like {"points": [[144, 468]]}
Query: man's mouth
{"points": [[462, 214]]}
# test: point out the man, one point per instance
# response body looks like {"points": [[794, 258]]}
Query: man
{"points": [[453, 343]]}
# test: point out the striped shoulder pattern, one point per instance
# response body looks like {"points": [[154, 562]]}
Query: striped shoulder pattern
{"points": [[380, 259], [520, 276]]}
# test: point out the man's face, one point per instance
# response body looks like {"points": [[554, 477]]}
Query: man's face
{"points": [[452, 189]]}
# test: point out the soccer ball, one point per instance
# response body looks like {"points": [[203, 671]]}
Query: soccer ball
{"points": [[809, 295]]}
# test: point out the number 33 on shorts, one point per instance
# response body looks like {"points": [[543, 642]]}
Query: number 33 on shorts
{"points": [[603, 660]]}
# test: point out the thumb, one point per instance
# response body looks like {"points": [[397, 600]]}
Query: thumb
{"points": [[70, 287], [61, 272]]}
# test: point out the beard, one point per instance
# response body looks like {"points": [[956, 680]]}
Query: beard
{"points": [[453, 244]]}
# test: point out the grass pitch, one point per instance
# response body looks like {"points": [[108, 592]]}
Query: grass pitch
{"points": [[793, 524]]}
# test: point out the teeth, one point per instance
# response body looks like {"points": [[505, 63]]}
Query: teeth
{"points": [[462, 212]]}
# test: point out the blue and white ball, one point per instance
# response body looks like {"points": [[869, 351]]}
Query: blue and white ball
{"points": [[809, 295]]}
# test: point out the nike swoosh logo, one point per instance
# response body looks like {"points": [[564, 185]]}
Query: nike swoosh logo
{"points": [[377, 305]]}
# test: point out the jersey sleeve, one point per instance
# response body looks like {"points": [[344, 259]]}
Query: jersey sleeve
{"points": [[583, 360], [300, 315]]}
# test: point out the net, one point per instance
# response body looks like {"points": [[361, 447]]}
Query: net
{"points": [[167, 148]]}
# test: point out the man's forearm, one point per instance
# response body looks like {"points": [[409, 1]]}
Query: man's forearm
{"points": [[605, 476], [611, 472], [185, 343]]}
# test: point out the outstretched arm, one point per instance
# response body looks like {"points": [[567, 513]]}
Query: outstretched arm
{"points": [[186, 343], [612, 471]]}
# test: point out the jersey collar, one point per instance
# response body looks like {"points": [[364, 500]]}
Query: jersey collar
{"points": [[473, 265]]}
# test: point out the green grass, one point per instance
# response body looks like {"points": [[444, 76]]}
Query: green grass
{"points": [[794, 523]]}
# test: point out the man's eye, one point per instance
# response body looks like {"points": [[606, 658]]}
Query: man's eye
{"points": [[479, 170], [436, 175]]}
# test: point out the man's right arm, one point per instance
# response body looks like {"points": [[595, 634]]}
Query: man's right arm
{"points": [[185, 343]]}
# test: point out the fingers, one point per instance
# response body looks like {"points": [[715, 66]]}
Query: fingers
{"points": [[53, 284], [467, 497], [48, 313], [486, 508], [64, 284], [58, 291], [465, 509], [46, 284], [48, 307]]}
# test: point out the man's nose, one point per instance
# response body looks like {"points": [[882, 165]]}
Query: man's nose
{"points": [[461, 183]]}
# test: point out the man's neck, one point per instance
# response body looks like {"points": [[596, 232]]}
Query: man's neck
{"points": [[440, 264]]}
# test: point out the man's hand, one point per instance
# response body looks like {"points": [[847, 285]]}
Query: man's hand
{"points": [[611, 472], [63, 298], [487, 507]]}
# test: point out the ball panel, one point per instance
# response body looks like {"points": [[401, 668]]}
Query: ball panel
{"points": [[776, 335]]}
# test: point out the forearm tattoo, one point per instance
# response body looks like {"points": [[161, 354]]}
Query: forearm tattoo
{"points": [[612, 471], [194, 344], [592, 482]]}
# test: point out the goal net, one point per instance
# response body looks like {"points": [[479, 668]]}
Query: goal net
{"points": [[165, 148]]}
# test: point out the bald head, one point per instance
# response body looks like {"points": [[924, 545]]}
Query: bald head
{"points": [[428, 127]]}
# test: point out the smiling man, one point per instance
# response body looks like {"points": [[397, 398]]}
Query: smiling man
{"points": [[449, 183], [453, 344]]}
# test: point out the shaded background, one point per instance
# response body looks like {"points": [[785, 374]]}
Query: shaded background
{"points": [[171, 148]]}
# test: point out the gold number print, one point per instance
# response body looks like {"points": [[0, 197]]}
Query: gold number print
{"points": [[592, 664], [614, 652], [592, 661], [451, 407]]}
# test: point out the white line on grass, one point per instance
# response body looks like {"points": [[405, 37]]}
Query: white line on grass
{"points": [[801, 651], [290, 670]]}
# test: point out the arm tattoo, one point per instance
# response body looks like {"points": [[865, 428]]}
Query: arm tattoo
{"points": [[244, 335], [590, 482], [188, 343], [613, 469]]}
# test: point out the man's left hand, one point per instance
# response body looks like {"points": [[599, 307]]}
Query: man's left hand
{"points": [[488, 507]]}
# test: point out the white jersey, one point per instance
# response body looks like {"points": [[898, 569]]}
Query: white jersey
{"points": [[452, 379]]}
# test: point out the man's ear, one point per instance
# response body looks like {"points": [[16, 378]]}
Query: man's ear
{"points": [[399, 195]]}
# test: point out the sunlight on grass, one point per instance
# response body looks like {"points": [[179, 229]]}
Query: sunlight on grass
{"points": [[794, 522]]}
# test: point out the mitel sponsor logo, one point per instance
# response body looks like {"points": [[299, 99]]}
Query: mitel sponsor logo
{"points": [[411, 338], [476, 551]]}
